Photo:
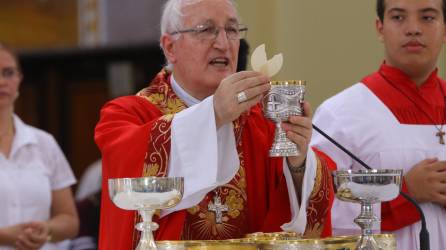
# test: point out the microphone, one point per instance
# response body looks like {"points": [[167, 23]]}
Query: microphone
{"points": [[424, 234]]}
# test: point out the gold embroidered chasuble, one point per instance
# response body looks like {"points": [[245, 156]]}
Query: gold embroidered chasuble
{"points": [[201, 222], [256, 199]]}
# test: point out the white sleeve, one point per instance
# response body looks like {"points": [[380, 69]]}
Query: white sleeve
{"points": [[340, 121], [204, 156], [329, 123], [299, 212]]}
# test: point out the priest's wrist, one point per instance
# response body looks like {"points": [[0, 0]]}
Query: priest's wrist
{"points": [[296, 169]]}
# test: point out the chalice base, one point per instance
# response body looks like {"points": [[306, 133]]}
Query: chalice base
{"points": [[367, 242], [283, 148]]}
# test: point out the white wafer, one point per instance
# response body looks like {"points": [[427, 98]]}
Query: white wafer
{"points": [[260, 63]]}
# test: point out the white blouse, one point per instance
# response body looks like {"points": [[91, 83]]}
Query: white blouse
{"points": [[36, 166]]}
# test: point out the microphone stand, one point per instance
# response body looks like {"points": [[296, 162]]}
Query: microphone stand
{"points": [[424, 234]]}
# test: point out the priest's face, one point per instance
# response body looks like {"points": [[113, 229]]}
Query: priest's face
{"points": [[201, 61], [413, 32]]}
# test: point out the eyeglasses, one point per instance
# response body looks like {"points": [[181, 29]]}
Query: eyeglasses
{"points": [[210, 31], [9, 73]]}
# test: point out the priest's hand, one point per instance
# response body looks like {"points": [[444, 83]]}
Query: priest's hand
{"points": [[426, 181], [299, 130], [237, 93]]}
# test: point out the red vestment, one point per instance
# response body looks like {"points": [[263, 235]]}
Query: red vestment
{"points": [[134, 137]]}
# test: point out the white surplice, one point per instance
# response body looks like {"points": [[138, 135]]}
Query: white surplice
{"points": [[360, 122]]}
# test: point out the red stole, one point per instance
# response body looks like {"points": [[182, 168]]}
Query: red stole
{"points": [[429, 97]]}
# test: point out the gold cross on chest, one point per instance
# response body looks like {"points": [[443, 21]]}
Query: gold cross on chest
{"points": [[218, 209], [441, 134]]}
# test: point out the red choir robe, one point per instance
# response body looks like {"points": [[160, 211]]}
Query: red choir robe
{"points": [[133, 135], [430, 97]]}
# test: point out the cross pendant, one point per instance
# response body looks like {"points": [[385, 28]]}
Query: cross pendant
{"points": [[218, 209], [441, 134]]}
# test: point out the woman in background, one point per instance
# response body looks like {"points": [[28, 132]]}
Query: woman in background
{"points": [[37, 206]]}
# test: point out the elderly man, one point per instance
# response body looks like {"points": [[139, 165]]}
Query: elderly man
{"points": [[404, 103], [201, 120]]}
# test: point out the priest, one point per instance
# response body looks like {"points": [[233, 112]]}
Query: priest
{"points": [[201, 120], [394, 118]]}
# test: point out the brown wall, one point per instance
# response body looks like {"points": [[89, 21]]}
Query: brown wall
{"points": [[38, 24], [86, 100]]}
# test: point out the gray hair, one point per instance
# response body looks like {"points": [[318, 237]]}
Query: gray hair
{"points": [[172, 17], [172, 20]]}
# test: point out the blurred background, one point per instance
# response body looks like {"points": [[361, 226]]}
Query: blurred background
{"points": [[77, 54]]}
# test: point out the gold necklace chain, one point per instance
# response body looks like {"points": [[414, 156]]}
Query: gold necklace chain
{"points": [[440, 134]]}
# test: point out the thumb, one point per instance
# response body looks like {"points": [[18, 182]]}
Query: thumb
{"points": [[431, 160], [428, 161], [308, 112]]}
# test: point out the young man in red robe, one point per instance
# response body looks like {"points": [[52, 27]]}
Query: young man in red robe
{"points": [[192, 121], [394, 118]]}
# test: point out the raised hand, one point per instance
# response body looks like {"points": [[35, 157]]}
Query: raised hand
{"points": [[237, 93]]}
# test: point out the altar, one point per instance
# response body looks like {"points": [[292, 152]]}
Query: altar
{"points": [[278, 241]]}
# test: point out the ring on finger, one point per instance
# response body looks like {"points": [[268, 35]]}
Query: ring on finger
{"points": [[241, 97]]}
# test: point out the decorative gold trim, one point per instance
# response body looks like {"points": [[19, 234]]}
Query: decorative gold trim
{"points": [[347, 242], [288, 82]]}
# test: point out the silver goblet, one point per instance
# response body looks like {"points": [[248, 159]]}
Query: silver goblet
{"points": [[284, 99], [367, 187], [146, 194]]}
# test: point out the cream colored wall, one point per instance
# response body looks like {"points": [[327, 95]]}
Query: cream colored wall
{"points": [[442, 62], [331, 44]]}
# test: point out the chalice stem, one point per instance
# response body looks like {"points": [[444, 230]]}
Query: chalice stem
{"points": [[281, 134], [366, 220], [146, 242]]}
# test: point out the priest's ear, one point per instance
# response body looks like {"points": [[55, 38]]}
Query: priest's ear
{"points": [[379, 29], [168, 45]]}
